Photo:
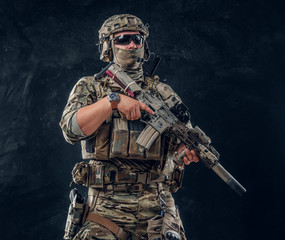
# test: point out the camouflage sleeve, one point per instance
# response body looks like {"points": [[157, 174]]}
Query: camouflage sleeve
{"points": [[82, 94]]}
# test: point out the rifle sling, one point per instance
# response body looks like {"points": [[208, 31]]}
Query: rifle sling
{"points": [[120, 233]]}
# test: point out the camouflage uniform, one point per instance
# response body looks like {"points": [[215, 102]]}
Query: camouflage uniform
{"points": [[127, 186]]}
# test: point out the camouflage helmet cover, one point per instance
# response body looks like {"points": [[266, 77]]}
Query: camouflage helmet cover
{"points": [[122, 22], [119, 23]]}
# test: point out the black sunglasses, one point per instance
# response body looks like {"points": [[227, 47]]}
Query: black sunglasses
{"points": [[125, 39]]}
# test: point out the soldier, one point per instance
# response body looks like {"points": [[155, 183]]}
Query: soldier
{"points": [[129, 190]]}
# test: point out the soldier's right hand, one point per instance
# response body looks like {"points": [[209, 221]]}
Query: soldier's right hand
{"points": [[131, 107]]}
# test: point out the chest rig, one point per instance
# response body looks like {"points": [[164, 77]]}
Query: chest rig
{"points": [[115, 140], [116, 137]]}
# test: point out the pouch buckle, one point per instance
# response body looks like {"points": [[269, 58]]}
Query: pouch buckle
{"points": [[137, 187]]}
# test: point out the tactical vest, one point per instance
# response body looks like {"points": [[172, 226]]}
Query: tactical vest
{"points": [[116, 137]]}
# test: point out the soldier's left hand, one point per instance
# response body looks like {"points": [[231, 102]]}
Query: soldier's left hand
{"points": [[191, 156]]}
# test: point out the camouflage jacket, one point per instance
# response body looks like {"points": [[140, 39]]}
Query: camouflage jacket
{"points": [[87, 91]]}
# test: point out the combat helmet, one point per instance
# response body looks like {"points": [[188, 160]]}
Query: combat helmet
{"points": [[119, 23]]}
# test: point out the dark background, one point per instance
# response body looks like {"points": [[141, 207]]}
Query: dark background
{"points": [[224, 58]]}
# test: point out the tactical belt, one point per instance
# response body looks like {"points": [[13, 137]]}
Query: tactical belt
{"points": [[120, 233], [143, 182], [127, 187], [129, 177]]}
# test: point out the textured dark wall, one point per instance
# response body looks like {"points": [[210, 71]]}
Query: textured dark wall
{"points": [[225, 58]]}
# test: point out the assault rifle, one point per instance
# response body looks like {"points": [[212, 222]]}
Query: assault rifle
{"points": [[171, 115]]}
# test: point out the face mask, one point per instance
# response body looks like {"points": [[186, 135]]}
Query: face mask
{"points": [[129, 58]]}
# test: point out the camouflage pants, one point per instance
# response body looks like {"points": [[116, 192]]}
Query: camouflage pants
{"points": [[131, 211]]}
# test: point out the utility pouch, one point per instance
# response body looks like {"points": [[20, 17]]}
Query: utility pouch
{"points": [[98, 146], [164, 227], [89, 174], [75, 212], [123, 141], [170, 227], [96, 175], [80, 173], [135, 128], [154, 228], [120, 138]]}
